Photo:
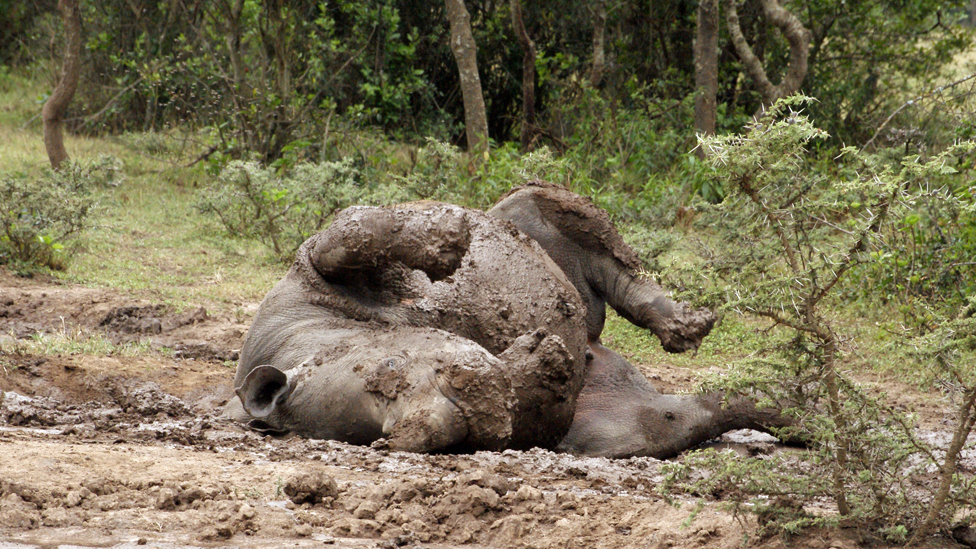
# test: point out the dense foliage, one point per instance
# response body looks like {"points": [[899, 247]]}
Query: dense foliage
{"points": [[263, 75]]}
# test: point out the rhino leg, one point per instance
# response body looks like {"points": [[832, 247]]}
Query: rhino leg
{"points": [[582, 241], [363, 241], [546, 384], [619, 414]]}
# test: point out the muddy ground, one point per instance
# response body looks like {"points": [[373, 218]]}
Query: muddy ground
{"points": [[131, 451]]}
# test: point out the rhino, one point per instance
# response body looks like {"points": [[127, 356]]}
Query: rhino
{"points": [[439, 328]]}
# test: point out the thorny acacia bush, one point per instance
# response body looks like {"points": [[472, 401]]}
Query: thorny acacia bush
{"points": [[778, 248], [41, 216], [283, 208]]}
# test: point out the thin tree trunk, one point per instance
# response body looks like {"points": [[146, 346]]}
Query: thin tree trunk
{"points": [[277, 38], [706, 69], [796, 34], [226, 18], [599, 41], [56, 105], [966, 422], [466, 54], [232, 25], [528, 75]]}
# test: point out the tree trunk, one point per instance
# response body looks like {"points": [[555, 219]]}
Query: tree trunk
{"points": [[967, 420], [232, 13], [56, 105], [466, 55], [599, 42], [706, 69], [796, 34], [227, 18], [528, 75], [276, 35]]}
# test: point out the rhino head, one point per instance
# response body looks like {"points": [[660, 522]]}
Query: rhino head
{"points": [[420, 388]]}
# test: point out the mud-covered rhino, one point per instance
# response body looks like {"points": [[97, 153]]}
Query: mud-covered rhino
{"points": [[441, 328]]}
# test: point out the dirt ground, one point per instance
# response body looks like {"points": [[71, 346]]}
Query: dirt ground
{"points": [[131, 451]]}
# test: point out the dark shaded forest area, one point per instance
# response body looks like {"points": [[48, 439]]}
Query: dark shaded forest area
{"points": [[275, 74]]}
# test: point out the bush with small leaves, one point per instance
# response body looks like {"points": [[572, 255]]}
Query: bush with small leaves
{"points": [[41, 216], [282, 209]]}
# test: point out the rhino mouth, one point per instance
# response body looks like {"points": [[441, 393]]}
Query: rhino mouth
{"points": [[266, 428]]}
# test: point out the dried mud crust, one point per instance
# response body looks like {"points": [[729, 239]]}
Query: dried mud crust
{"points": [[129, 451]]}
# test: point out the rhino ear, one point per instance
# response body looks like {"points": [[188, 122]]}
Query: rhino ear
{"points": [[262, 389]]}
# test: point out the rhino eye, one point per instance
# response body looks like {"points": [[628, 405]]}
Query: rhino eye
{"points": [[390, 363]]}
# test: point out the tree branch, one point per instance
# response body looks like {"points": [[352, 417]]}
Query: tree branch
{"points": [[796, 34], [913, 101]]}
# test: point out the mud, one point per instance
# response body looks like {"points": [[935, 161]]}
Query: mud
{"points": [[130, 451], [430, 266]]}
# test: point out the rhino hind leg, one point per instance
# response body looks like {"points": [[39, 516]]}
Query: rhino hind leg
{"points": [[582, 241], [362, 242]]}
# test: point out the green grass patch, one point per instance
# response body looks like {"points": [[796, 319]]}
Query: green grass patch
{"points": [[734, 338], [77, 343], [151, 239]]}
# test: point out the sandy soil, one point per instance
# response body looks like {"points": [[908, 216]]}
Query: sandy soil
{"points": [[131, 451]]}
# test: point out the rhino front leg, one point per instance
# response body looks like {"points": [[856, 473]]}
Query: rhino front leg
{"points": [[547, 379], [582, 241], [362, 241]]}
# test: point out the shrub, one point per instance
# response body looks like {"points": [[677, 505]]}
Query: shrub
{"points": [[778, 247], [282, 209], [442, 172], [41, 216]]}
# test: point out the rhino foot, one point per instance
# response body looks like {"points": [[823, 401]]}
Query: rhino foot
{"points": [[686, 329]]}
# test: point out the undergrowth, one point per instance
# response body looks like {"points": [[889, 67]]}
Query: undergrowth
{"points": [[41, 216]]}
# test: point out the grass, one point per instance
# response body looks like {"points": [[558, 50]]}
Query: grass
{"points": [[75, 343], [149, 240], [734, 338], [152, 239]]}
